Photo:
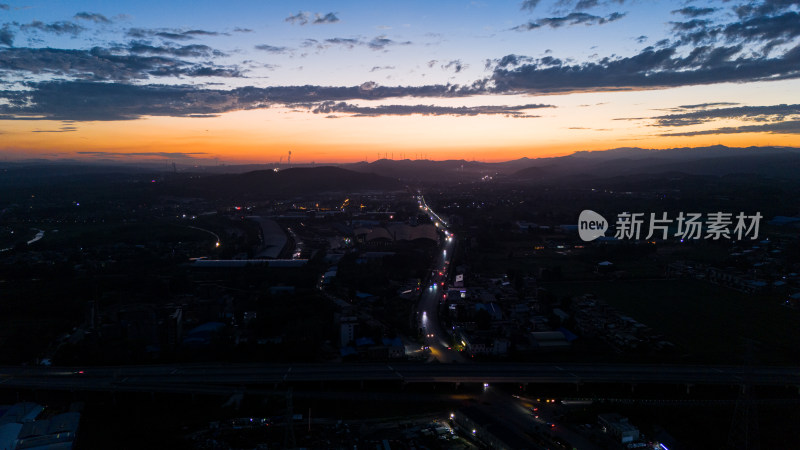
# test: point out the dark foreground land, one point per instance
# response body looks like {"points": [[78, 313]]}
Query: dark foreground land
{"points": [[103, 267]]}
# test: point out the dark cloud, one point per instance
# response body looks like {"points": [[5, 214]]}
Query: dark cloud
{"points": [[92, 17], [586, 4], [301, 18], [242, 30], [312, 43], [304, 18], [331, 107], [63, 129], [690, 25], [706, 105], [786, 25], [5, 7], [376, 43], [377, 68], [773, 113], [102, 64], [763, 28], [693, 11], [196, 71], [82, 101], [456, 65], [574, 18], [651, 68], [787, 127], [345, 42], [583, 5], [530, 5], [271, 48], [92, 101], [171, 34], [6, 36], [60, 27], [765, 7], [194, 50], [641, 39], [202, 33], [381, 42], [512, 60], [327, 18]]}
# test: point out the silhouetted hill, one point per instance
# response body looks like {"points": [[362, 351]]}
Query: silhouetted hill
{"points": [[284, 183], [716, 161], [424, 170]]}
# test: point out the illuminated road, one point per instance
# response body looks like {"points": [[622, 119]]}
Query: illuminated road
{"points": [[517, 413], [428, 308], [228, 377]]}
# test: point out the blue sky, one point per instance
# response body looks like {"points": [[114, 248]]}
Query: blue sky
{"points": [[584, 74]]}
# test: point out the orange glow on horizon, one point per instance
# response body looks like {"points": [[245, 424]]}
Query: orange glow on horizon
{"points": [[264, 136]]}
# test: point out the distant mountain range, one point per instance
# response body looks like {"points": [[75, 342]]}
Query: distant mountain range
{"points": [[260, 180], [779, 162]]}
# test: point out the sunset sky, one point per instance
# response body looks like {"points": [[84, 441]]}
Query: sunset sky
{"points": [[247, 81]]}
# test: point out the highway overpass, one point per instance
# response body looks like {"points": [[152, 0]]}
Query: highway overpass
{"points": [[230, 377]]}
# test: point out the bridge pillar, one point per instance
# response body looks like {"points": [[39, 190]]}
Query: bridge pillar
{"points": [[362, 384], [633, 388], [689, 388], [458, 384], [578, 386]]}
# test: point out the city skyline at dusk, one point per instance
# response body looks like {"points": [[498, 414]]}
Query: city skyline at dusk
{"points": [[339, 82]]}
